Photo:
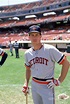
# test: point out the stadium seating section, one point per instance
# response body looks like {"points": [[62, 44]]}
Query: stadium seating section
{"points": [[17, 29]]}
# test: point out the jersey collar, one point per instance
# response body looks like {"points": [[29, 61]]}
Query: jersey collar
{"points": [[38, 49]]}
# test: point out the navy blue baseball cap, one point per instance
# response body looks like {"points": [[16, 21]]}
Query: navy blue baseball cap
{"points": [[34, 28]]}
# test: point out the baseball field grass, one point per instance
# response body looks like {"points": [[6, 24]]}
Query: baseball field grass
{"points": [[12, 77]]}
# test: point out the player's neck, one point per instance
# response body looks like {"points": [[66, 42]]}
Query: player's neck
{"points": [[37, 46]]}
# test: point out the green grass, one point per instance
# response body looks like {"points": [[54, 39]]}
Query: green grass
{"points": [[12, 76]]}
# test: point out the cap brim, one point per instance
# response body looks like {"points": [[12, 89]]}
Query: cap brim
{"points": [[34, 32]]}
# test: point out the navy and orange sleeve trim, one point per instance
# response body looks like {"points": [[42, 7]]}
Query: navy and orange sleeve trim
{"points": [[62, 59], [27, 67], [2, 54]]}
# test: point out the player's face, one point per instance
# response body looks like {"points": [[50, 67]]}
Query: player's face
{"points": [[35, 37]]}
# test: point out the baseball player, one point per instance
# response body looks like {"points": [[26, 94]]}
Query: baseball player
{"points": [[16, 46], [40, 64], [3, 55], [11, 47]]}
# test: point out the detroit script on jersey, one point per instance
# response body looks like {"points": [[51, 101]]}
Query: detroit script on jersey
{"points": [[42, 61]]}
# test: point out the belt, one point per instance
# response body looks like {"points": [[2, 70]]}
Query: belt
{"points": [[41, 81]]}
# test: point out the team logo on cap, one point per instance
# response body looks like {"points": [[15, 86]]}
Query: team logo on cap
{"points": [[34, 28]]}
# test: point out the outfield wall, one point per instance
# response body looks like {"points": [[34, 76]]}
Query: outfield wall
{"points": [[62, 45]]}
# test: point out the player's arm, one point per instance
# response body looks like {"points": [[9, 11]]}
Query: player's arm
{"points": [[62, 60], [4, 56], [64, 70], [28, 75]]}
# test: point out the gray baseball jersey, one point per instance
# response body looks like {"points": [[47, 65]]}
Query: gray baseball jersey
{"points": [[42, 64], [42, 61]]}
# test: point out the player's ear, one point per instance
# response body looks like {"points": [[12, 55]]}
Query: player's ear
{"points": [[29, 37], [28, 34]]}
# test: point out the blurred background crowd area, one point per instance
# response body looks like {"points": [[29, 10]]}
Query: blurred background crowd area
{"points": [[53, 16]]}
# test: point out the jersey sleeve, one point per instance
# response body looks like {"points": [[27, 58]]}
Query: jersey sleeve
{"points": [[4, 56], [27, 64], [1, 52], [56, 55]]}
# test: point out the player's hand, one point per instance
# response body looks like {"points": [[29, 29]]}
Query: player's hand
{"points": [[52, 83], [25, 89]]}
